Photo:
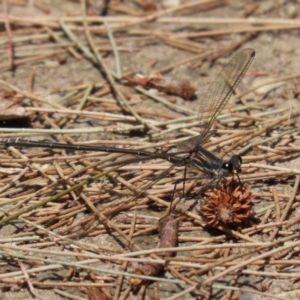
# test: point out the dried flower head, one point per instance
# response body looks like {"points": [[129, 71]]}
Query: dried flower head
{"points": [[228, 204]]}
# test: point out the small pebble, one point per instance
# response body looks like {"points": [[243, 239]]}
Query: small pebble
{"points": [[170, 3], [266, 88], [54, 98], [282, 46], [247, 297], [275, 290], [266, 38], [265, 7], [15, 288], [290, 10], [51, 63]]}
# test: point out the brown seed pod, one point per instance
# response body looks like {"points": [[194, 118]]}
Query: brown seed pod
{"points": [[229, 204]]}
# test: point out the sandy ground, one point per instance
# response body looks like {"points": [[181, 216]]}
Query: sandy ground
{"points": [[96, 217]]}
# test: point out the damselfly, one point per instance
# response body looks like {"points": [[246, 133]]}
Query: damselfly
{"points": [[191, 153]]}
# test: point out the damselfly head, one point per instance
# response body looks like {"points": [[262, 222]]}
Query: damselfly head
{"points": [[233, 166]]}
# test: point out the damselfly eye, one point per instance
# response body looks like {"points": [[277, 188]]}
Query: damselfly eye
{"points": [[233, 165], [227, 167]]}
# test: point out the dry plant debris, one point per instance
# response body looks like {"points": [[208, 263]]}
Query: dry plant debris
{"points": [[168, 234], [230, 203], [74, 224], [182, 88]]}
